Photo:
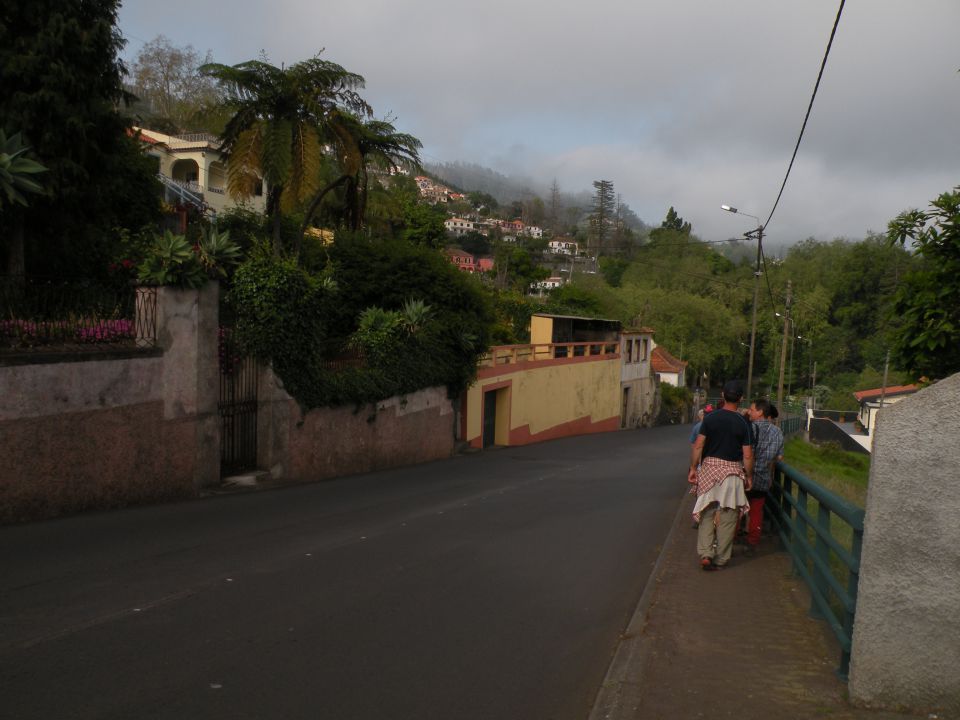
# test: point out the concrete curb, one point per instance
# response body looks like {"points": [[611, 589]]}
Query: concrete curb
{"points": [[622, 687]]}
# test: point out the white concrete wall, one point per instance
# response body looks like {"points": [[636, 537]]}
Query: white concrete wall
{"points": [[906, 639]]}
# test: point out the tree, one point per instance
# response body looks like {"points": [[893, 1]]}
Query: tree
{"points": [[601, 219], [674, 222], [16, 178], [474, 243], [555, 206], [481, 201], [534, 211], [515, 268], [62, 82], [359, 145], [168, 79], [423, 225], [927, 302], [17, 170], [280, 118]]}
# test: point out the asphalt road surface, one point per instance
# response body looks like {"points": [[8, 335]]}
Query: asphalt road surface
{"points": [[492, 585]]}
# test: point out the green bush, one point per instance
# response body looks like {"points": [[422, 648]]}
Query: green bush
{"points": [[279, 310], [414, 320], [673, 404]]}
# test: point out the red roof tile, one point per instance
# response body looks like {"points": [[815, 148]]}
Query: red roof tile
{"points": [[864, 395], [664, 362]]}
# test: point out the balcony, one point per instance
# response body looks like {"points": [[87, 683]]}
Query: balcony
{"points": [[501, 355]]}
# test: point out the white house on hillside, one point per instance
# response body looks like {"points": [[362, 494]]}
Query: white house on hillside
{"points": [[563, 247], [458, 226], [193, 170]]}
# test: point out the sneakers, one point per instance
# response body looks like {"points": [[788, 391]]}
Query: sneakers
{"points": [[708, 565]]}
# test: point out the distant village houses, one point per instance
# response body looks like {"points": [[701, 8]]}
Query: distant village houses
{"points": [[551, 283], [563, 247], [467, 261], [459, 226]]}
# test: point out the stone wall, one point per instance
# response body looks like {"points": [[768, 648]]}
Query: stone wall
{"points": [[906, 639], [97, 431], [330, 442]]}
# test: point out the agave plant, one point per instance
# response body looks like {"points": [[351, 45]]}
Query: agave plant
{"points": [[16, 170], [171, 260], [415, 315], [216, 252]]}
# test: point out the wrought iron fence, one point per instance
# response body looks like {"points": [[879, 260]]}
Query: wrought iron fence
{"points": [[827, 557], [43, 313], [793, 425], [237, 406]]}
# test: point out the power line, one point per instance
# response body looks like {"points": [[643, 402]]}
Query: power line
{"points": [[807, 116], [766, 277]]}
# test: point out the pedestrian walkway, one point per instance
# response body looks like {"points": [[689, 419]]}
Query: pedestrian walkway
{"points": [[736, 643]]}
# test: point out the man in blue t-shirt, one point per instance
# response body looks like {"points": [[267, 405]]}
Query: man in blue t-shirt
{"points": [[721, 467], [696, 426]]}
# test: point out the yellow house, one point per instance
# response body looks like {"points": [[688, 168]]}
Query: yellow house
{"points": [[566, 381], [193, 170]]}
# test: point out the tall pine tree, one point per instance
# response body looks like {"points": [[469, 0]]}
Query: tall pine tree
{"points": [[602, 217], [61, 75]]}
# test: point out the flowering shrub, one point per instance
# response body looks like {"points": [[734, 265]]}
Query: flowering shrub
{"points": [[31, 333]]}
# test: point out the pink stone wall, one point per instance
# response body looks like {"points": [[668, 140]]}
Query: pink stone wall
{"points": [[331, 442], [97, 433], [98, 459]]}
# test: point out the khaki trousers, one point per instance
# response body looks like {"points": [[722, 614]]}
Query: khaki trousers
{"points": [[718, 526]]}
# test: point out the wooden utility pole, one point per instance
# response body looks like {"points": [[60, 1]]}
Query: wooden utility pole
{"points": [[753, 324], [813, 387], [783, 348], [886, 370]]}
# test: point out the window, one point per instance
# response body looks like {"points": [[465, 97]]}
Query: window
{"points": [[630, 350], [643, 351]]}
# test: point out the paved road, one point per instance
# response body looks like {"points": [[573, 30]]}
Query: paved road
{"points": [[492, 585]]}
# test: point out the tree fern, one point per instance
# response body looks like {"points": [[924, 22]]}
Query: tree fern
{"points": [[307, 155], [244, 167], [277, 158]]}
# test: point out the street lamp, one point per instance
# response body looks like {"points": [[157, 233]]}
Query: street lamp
{"points": [[756, 289]]}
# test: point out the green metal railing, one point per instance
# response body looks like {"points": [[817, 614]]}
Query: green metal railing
{"points": [[828, 561], [793, 425]]}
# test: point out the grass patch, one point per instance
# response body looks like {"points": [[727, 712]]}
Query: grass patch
{"points": [[844, 473]]}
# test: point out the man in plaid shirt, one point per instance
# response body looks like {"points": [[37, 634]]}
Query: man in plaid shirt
{"points": [[767, 450]]}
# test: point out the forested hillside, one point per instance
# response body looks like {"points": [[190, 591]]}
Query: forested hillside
{"points": [[699, 302]]}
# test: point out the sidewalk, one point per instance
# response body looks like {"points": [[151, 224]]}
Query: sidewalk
{"points": [[737, 643]]}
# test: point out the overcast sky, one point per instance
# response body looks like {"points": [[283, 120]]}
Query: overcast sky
{"points": [[690, 103]]}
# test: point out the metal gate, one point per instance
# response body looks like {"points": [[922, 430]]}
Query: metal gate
{"points": [[237, 407]]}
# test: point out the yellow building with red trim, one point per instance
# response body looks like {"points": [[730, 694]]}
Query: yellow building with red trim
{"points": [[567, 381]]}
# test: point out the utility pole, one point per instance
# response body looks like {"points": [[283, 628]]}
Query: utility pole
{"points": [[886, 370], [783, 348], [753, 326], [813, 387], [756, 291]]}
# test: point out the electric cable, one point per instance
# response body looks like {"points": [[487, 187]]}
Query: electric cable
{"points": [[823, 64]]}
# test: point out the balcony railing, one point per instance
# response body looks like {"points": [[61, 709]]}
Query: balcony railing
{"points": [[500, 355]]}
